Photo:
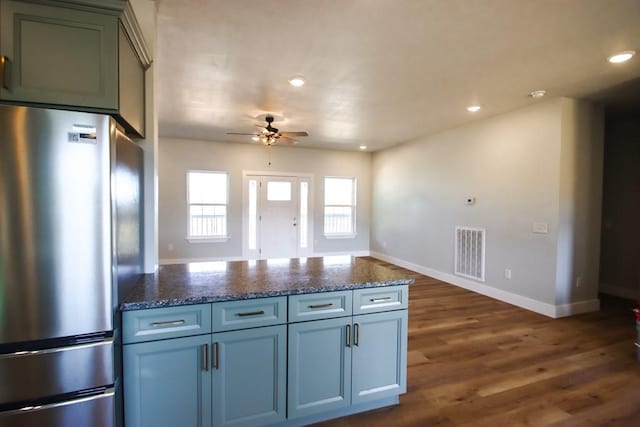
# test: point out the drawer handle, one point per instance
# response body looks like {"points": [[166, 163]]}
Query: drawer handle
{"points": [[321, 306], [380, 299], [168, 323], [251, 313]]}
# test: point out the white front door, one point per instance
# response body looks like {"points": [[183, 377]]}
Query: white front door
{"points": [[278, 217]]}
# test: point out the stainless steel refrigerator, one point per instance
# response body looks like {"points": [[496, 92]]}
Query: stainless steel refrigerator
{"points": [[58, 266]]}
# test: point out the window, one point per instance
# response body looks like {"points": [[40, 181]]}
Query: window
{"points": [[339, 207], [207, 196]]}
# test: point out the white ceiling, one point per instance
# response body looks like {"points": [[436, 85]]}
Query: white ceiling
{"points": [[379, 72]]}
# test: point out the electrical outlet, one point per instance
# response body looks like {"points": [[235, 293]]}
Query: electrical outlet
{"points": [[507, 274], [170, 246], [578, 282]]}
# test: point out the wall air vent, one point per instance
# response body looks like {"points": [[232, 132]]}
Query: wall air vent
{"points": [[469, 252]]}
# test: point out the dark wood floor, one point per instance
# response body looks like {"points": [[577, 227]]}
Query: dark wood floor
{"points": [[476, 361]]}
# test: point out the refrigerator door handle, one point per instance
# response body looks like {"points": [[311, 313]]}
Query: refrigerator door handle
{"points": [[98, 407], [106, 341]]}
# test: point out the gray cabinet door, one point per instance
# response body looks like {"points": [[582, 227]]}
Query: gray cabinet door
{"points": [[132, 85], [319, 366], [167, 383], [249, 376], [59, 55], [379, 366]]}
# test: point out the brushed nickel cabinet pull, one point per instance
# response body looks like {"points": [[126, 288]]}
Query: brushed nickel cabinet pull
{"points": [[205, 356], [348, 335], [168, 323], [4, 74], [321, 305], [380, 299], [250, 313], [356, 334], [216, 361]]}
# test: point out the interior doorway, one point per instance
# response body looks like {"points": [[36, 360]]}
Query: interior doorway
{"points": [[276, 216]]}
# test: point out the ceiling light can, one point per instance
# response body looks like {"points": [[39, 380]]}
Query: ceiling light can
{"points": [[537, 93], [473, 108], [621, 57], [363, 147], [297, 81]]}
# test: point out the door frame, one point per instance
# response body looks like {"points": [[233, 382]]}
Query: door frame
{"points": [[302, 177]]}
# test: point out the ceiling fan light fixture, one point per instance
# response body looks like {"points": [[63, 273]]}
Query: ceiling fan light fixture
{"points": [[621, 57], [297, 81], [473, 108]]}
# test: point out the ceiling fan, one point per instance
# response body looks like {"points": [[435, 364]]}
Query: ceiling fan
{"points": [[270, 135]]}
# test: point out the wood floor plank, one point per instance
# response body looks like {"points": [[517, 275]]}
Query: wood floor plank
{"points": [[476, 361]]}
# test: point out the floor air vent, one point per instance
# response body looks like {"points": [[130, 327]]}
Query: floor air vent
{"points": [[469, 260]]}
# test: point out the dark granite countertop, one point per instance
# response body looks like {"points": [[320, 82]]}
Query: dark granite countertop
{"points": [[204, 282]]}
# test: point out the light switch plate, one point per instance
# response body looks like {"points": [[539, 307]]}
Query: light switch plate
{"points": [[540, 227]]}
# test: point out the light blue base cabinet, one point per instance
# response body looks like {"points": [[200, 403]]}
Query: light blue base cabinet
{"points": [[167, 384], [319, 366], [340, 362], [249, 376], [379, 361], [281, 361]]}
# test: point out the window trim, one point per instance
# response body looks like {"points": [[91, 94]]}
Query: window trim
{"points": [[354, 197], [208, 238]]}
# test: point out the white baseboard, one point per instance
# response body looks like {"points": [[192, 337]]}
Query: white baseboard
{"points": [[165, 261], [619, 291], [550, 310], [352, 253]]}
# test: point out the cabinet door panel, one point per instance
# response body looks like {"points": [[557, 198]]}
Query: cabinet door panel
{"points": [[319, 366], [60, 56], [249, 377], [379, 356], [132, 86], [166, 383]]}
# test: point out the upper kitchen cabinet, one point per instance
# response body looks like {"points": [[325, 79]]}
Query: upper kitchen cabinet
{"points": [[131, 111], [85, 55]]}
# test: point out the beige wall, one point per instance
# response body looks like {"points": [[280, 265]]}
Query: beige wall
{"points": [[620, 255], [177, 156], [537, 164]]}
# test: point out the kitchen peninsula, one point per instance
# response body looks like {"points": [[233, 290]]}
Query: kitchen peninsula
{"points": [[267, 342]]}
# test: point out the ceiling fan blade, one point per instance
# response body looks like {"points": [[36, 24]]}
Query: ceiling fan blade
{"points": [[237, 133], [287, 140], [294, 134]]}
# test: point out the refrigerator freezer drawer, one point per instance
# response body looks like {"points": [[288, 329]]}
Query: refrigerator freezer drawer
{"points": [[31, 375], [94, 411]]}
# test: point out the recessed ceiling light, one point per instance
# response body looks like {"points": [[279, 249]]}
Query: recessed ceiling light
{"points": [[621, 57], [255, 138], [538, 93], [363, 147], [296, 81], [473, 108]]}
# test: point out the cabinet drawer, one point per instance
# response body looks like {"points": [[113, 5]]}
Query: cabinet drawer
{"points": [[322, 305], [373, 300], [167, 322], [251, 313]]}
